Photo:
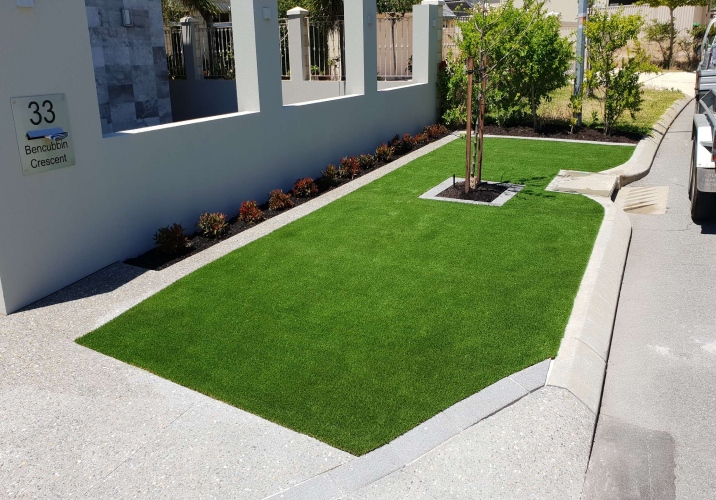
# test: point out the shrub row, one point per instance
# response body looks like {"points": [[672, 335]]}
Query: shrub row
{"points": [[172, 240]]}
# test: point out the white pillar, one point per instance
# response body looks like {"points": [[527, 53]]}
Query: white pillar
{"points": [[192, 55], [298, 43], [427, 40], [257, 54], [361, 47]]}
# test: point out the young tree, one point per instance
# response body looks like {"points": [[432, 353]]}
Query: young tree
{"points": [[672, 5], [619, 85], [660, 34], [544, 59], [529, 58]]}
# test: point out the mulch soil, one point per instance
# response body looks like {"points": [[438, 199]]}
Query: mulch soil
{"points": [[156, 260], [558, 131], [484, 192]]}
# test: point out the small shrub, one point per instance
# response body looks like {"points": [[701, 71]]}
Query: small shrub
{"points": [[304, 188], [171, 240], [351, 166], [366, 161], [212, 225], [250, 212], [435, 131], [330, 175], [401, 146], [409, 140], [383, 153], [422, 139], [278, 200]]}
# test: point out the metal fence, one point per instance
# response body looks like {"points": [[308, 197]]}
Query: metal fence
{"points": [[326, 52], [395, 51], [283, 44], [175, 52], [216, 49]]}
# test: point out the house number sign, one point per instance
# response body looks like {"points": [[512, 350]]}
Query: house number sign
{"points": [[43, 133]]}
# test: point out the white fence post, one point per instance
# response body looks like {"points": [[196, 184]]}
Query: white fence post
{"points": [[298, 44], [257, 55], [427, 40], [361, 47], [192, 58]]}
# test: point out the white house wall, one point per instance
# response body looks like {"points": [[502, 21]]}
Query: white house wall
{"points": [[62, 225]]}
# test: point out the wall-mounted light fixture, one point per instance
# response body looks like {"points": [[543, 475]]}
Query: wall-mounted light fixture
{"points": [[127, 17]]}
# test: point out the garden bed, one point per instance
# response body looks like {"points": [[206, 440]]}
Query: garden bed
{"points": [[563, 131], [157, 260]]}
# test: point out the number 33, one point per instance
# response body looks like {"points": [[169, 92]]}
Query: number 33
{"points": [[47, 105]]}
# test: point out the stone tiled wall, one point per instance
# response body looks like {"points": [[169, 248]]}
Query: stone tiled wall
{"points": [[129, 63]]}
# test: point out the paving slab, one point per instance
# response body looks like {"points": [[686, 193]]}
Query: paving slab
{"points": [[685, 81], [536, 448]]}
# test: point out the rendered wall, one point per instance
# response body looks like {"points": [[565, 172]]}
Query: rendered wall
{"points": [[193, 99], [62, 225]]}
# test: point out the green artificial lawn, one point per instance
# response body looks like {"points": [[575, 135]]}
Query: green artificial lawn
{"points": [[367, 317]]}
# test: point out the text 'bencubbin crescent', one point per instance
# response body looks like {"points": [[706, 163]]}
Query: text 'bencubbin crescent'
{"points": [[46, 148]]}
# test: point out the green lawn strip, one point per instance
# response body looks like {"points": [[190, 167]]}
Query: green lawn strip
{"points": [[656, 102], [365, 318]]}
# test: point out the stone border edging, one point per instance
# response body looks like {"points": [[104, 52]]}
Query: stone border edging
{"points": [[639, 165], [581, 363], [415, 443], [507, 195]]}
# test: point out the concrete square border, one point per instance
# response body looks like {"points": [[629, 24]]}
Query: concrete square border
{"points": [[432, 194]]}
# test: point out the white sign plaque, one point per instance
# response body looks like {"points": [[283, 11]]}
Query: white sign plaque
{"points": [[43, 133]]}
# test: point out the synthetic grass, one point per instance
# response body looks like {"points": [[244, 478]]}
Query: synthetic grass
{"points": [[358, 322]]}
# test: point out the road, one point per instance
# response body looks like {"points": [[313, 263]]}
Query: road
{"points": [[656, 433]]}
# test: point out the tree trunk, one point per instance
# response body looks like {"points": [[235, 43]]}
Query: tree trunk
{"points": [[672, 36], [534, 107]]}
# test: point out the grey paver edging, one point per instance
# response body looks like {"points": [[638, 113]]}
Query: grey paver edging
{"points": [[415, 443], [639, 164], [507, 195]]}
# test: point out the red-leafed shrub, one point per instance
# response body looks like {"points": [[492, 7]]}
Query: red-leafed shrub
{"points": [[366, 161], [409, 140], [304, 188], [212, 225], [330, 175], [401, 146], [351, 166], [279, 200], [383, 153], [422, 139], [250, 212], [436, 131], [171, 240]]}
